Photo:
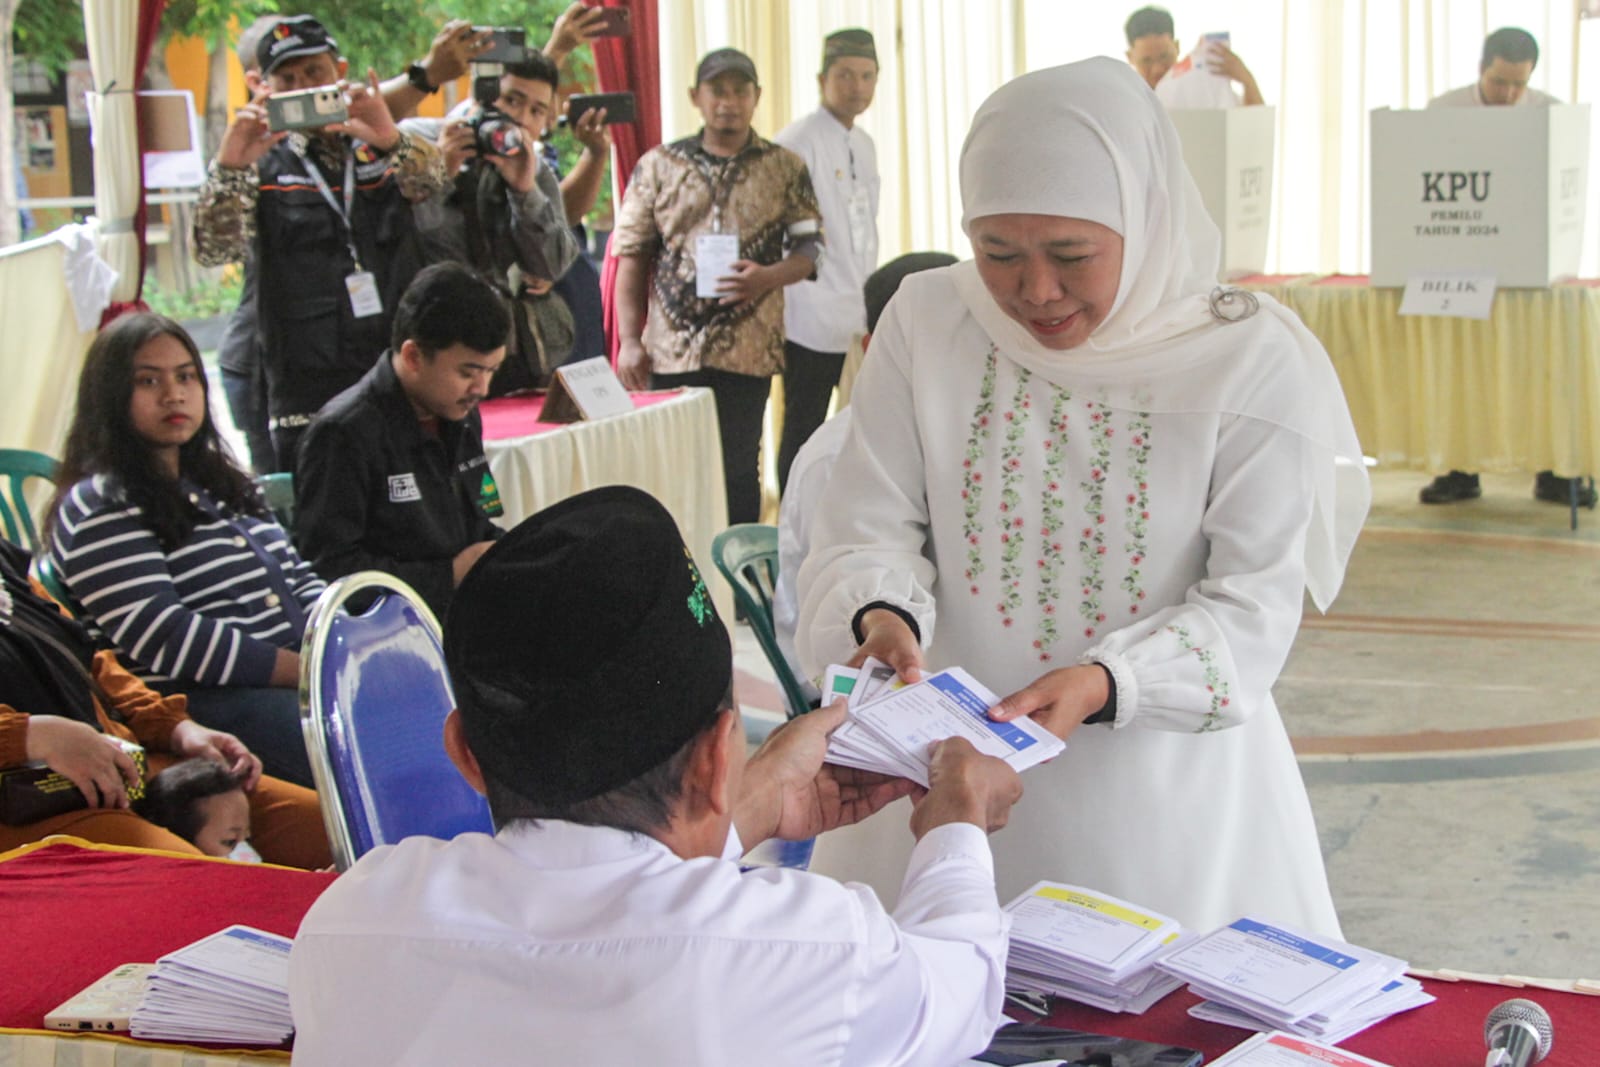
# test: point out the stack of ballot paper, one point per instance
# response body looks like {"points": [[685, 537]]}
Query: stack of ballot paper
{"points": [[1286, 1050], [892, 726], [1089, 947], [1264, 976], [230, 987]]}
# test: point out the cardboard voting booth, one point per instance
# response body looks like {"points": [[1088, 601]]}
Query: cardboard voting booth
{"points": [[1229, 152], [1490, 190]]}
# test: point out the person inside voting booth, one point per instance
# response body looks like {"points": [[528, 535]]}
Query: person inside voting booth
{"points": [[608, 919], [1103, 484]]}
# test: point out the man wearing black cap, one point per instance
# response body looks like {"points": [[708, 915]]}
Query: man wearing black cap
{"points": [[608, 921], [712, 228], [326, 214], [821, 318]]}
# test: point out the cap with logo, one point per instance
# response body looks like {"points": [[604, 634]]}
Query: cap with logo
{"points": [[848, 44], [291, 38], [725, 61]]}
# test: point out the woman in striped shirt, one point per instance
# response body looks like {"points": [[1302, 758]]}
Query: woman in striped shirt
{"points": [[169, 548]]}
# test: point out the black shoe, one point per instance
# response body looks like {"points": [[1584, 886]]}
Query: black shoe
{"points": [[1449, 488], [1555, 490]]}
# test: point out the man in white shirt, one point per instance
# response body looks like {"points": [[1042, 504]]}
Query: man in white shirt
{"points": [[822, 317], [1509, 56], [608, 921], [1203, 79]]}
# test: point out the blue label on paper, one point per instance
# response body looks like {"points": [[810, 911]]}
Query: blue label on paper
{"points": [[969, 702], [1296, 943]]}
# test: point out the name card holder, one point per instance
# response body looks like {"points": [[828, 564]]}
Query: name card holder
{"points": [[1450, 296], [585, 391]]}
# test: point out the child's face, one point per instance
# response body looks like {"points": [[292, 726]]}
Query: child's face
{"points": [[224, 822]]}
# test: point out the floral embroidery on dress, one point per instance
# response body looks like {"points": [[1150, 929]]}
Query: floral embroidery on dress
{"points": [[1052, 504], [1136, 513], [1011, 532], [971, 479], [1092, 542], [1220, 695]]}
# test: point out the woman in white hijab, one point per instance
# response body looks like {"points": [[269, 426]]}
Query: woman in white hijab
{"points": [[1083, 471]]}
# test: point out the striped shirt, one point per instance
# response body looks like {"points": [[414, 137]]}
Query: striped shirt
{"points": [[207, 613]]}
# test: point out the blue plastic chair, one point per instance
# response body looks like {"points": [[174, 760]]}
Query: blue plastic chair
{"points": [[17, 465], [374, 694]]}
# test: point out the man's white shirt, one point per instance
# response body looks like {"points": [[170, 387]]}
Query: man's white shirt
{"points": [[1188, 86], [1469, 96], [826, 314]]}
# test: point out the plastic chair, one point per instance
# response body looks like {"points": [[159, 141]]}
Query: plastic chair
{"points": [[17, 465], [374, 694], [747, 555], [278, 490], [44, 569]]}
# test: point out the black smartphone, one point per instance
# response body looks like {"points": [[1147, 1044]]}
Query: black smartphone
{"points": [[510, 44], [620, 107], [1023, 1043], [618, 22]]}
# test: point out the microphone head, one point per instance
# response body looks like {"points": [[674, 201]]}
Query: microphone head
{"points": [[1524, 1013]]}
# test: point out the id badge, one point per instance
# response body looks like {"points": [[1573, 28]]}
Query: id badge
{"points": [[714, 257], [364, 298]]}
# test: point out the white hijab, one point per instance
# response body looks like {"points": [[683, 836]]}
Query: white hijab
{"points": [[1091, 141]]}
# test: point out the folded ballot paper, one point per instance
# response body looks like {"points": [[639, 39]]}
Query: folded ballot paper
{"points": [[231, 987], [891, 725], [1264, 976], [1071, 942]]}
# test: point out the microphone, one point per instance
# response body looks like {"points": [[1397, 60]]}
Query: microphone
{"points": [[1518, 1034]]}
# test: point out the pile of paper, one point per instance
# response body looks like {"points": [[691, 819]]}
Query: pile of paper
{"points": [[230, 987], [1075, 943], [892, 726], [1285, 1050], [1263, 976]]}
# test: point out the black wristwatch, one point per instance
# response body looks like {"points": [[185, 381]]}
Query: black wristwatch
{"points": [[417, 75]]}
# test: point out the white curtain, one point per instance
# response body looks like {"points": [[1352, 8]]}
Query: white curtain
{"points": [[111, 30]]}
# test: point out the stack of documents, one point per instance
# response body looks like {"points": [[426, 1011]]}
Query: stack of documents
{"points": [[892, 726], [1262, 976], [1089, 947], [1286, 1050], [230, 987]]}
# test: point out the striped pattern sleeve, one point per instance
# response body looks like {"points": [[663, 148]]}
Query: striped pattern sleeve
{"points": [[199, 615], [296, 571]]}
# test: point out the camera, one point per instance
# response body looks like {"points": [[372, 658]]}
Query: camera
{"points": [[496, 134], [320, 106]]}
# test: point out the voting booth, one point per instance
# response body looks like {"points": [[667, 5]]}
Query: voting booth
{"points": [[1484, 190], [1229, 152]]}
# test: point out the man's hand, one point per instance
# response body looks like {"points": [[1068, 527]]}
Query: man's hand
{"points": [[453, 50], [633, 364], [193, 741], [1230, 66], [248, 137], [887, 638], [592, 132], [791, 794], [465, 559], [520, 171], [457, 143], [750, 281], [1060, 700], [964, 785], [370, 119], [83, 755], [576, 26]]}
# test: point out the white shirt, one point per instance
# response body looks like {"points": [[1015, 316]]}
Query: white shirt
{"points": [[562, 944], [1468, 96], [826, 314], [808, 477], [1188, 86]]}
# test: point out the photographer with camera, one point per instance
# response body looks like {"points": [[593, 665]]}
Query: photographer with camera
{"points": [[503, 214]]}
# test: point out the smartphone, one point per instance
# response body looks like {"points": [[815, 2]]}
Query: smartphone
{"points": [[510, 44], [306, 108], [620, 107], [618, 22], [1025, 1043], [105, 1005]]}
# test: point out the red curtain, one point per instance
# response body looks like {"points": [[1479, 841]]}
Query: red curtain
{"points": [[149, 25], [631, 63]]}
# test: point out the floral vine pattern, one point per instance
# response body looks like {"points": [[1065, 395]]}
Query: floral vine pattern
{"points": [[1136, 513], [1219, 690], [1092, 543], [1011, 532], [972, 480], [1052, 504]]}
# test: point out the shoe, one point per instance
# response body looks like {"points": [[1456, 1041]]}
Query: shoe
{"points": [[1547, 486], [1449, 488]]}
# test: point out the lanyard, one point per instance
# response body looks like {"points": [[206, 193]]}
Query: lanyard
{"points": [[349, 197]]}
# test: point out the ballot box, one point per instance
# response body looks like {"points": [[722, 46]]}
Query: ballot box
{"points": [[1229, 152], [1482, 190]]}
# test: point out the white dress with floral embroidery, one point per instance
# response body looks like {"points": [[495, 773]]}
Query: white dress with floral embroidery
{"points": [[1031, 524]]}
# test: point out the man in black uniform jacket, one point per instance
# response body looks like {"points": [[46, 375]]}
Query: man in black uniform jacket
{"points": [[391, 474]]}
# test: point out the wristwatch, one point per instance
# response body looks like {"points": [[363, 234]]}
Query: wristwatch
{"points": [[417, 75]]}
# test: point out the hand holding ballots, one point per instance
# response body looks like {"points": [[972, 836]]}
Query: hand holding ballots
{"points": [[892, 726]]}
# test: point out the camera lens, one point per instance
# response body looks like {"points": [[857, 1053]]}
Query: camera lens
{"points": [[498, 136]]}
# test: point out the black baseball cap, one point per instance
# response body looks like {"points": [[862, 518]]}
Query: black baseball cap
{"points": [[724, 61], [290, 38]]}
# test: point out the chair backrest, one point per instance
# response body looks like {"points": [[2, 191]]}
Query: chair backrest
{"points": [[374, 694], [278, 490], [747, 555], [17, 465], [44, 568]]}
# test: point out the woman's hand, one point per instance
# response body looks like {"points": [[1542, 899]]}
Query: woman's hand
{"points": [[90, 760], [193, 741], [1058, 701], [887, 638]]}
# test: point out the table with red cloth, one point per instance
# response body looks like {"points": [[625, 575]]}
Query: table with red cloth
{"points": [[73, 911], [669, 446], [1518, 391]]}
